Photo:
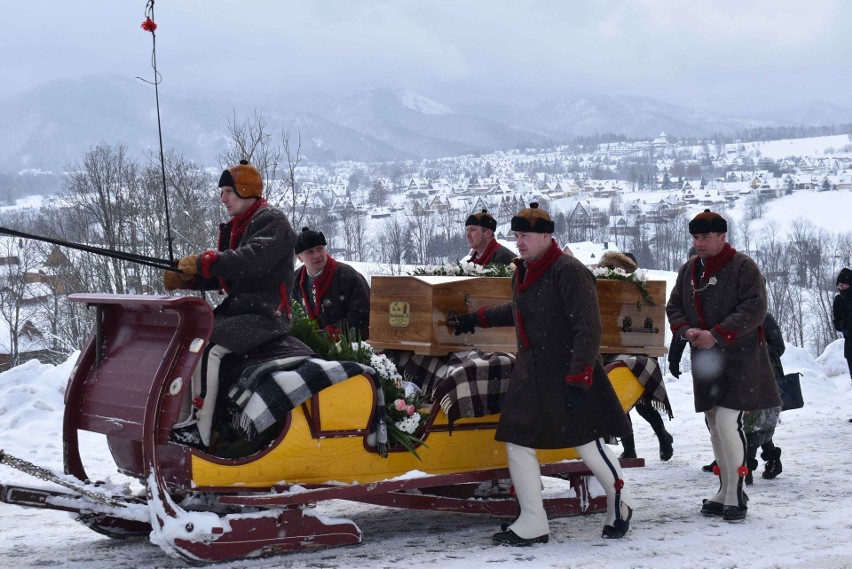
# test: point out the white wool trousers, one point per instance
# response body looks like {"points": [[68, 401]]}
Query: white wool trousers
{"points": [[603, 463], [526, 479], [729, 447], [209, 365]]}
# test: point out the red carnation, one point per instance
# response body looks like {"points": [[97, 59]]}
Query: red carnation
{"points": [[148, 25]]}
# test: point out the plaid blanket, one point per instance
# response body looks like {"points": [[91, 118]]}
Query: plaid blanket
{"points": [[465, 384], [266, 392], [647, 371]]}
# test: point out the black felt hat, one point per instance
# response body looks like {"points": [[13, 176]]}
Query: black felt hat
{"points": [[308, 239], [482, 219]]}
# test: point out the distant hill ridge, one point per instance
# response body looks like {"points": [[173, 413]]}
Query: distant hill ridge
{"points": [[53, 125]]}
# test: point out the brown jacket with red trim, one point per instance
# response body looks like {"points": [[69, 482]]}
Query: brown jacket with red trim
{"points": [[557, 320], [257, 275], [729, 299]]}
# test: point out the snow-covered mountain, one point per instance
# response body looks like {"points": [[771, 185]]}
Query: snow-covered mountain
{"points": [[54, 124]]}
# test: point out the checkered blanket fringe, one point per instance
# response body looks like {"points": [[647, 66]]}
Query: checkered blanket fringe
{"points": [[647, 371], [465, 384]]}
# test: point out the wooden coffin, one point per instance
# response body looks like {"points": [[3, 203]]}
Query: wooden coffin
{"points": [[411, 313], [630, 325]]}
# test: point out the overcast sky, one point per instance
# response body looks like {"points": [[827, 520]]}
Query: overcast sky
{"points": [[723, 55]]}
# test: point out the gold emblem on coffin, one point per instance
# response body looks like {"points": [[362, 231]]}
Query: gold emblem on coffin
{"points": [[399, 314]]}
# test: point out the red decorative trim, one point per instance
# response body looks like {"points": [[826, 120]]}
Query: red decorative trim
{"points": [[728, 335], [321, 286], [480, 314], [677, 327], [619, 484], [197, 402], [742, 470], [714, 264], [242, 221], [519, 325], [148, 25], [582, 378], [207, 259], [716, 470]]}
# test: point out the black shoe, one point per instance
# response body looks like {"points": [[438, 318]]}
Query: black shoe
{"points": [[508, 537], [628, 454], [752, 466], [188, 435], [711, 508], [618, 527], [709, 467], [734, 513], [773, 467], [666, 448]]}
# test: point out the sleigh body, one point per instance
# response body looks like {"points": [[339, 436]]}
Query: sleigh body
{"points": [[131, 383]]}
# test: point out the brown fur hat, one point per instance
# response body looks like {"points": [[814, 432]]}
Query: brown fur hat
{"points": [[244, 178], [708, 222], [482, 219], [533, 220], [616, 260]]}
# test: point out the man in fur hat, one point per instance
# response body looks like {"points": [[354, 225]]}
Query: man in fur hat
{"points": [[559, 395], [252, 266], [334, 294], [479, 230], [718, 305]]}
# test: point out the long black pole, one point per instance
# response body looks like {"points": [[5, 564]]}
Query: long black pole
{"points": [[155, 262], [160, 132]]}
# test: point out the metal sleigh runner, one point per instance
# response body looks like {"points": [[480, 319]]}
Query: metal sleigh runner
{"points": [[131, 384]]}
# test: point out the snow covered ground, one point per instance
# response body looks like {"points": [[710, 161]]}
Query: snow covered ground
{"points": [[799, 520]]}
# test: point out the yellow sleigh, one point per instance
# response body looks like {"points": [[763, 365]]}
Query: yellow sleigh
{"points": [[130, 383]]}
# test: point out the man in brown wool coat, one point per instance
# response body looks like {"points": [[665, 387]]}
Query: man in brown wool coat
{"points": [[718, 305], [252, 266], [559, 395]]}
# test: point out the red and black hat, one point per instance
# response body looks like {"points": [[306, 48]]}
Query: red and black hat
{"points": [[482, 219]]}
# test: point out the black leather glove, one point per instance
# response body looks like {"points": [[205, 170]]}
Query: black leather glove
{"points": [[674, 369], [575, 397], [467, 323]]}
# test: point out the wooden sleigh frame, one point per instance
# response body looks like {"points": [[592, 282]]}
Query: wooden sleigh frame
{"points": [[130, 383]]}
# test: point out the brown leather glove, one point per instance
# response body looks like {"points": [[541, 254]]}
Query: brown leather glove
{"points": [[173, 280], [189, 265]]}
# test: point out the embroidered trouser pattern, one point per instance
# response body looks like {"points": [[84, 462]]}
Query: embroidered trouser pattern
{"points": [[601, 460], [526, 479], [729, 447]]}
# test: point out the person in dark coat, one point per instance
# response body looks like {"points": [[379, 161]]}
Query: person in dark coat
{"points": [[334, 294], [479, 231], [559, 395], [842, 313], [718, 305], [252, 267], [646, 406]]}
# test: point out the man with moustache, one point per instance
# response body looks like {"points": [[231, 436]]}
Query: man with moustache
{"points": [[718, 305], [559, 395]]}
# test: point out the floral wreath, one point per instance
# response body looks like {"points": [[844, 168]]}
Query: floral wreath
{"points": [[638, 278], [404, 408], [464, 269]]}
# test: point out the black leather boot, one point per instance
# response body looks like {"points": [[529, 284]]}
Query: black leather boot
{"points": [[666, 445], [772, 468], [629, 444]]}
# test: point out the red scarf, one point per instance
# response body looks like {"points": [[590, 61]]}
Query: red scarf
{"points": [[321, 286], [712, 265], [528, 273], [240, 222], [486, 255]]}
